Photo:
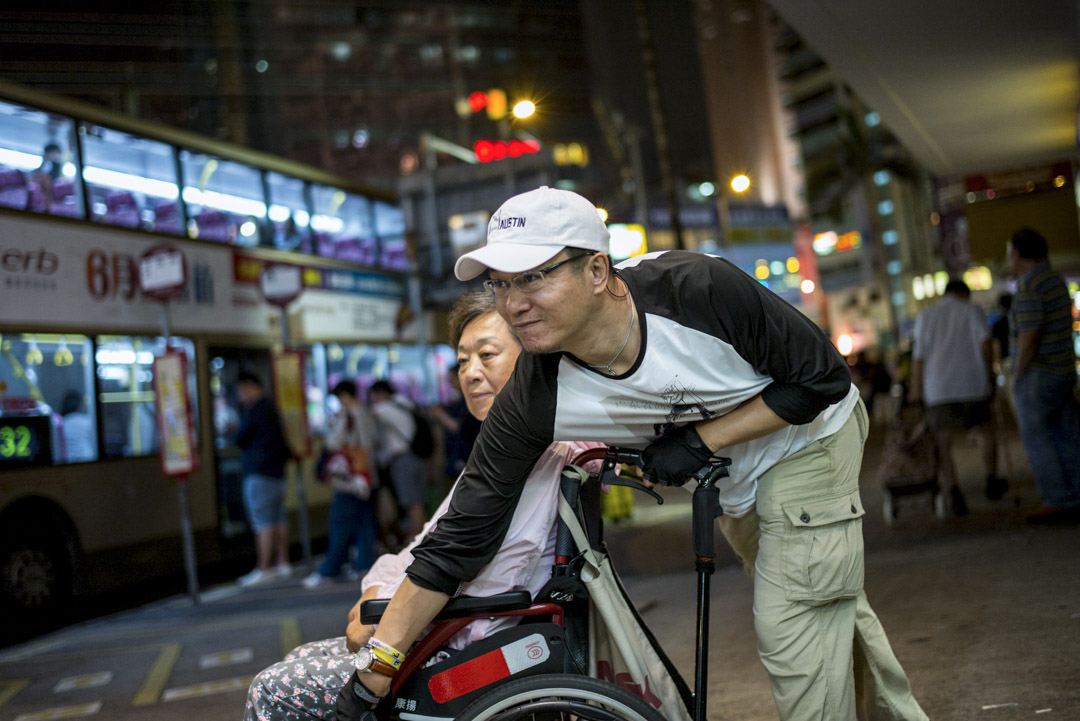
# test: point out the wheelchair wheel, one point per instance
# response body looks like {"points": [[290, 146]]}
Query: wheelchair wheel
{"points": [[559, 697]]}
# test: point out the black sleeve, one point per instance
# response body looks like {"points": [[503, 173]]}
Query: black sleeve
{"points": [[809, 374], [246, 432], [519, 427]]}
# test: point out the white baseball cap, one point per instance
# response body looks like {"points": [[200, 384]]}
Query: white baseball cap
{"points": [[531, 228]]}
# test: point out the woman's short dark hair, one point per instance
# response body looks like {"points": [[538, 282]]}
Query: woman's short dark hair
{"points": [[73, 401], [246, 376], [958, 287], [1029, 244], [468, 308], [381, 386], [345, 387]]}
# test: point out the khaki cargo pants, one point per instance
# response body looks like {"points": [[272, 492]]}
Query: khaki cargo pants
{"points": [[818, 638]]}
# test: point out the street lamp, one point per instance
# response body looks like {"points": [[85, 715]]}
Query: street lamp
{"points": [[740, 183], [524, 109]]}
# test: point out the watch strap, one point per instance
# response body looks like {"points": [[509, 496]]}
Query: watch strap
{"points": [[364, 693], [380, 666]]}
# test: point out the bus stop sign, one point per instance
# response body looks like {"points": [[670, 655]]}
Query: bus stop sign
{"points": [[162, 272], [280, 284]]}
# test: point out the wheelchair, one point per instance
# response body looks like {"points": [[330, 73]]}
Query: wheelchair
{"points": [[539, 670]]}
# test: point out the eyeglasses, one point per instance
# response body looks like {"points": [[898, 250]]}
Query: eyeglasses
{"points": [[528, 282]]}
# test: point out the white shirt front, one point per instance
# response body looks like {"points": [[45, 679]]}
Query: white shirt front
{"points": [[396, 429], [948, 339]]}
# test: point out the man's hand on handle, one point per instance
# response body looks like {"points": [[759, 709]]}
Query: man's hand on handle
{"points": [[673, 458]]}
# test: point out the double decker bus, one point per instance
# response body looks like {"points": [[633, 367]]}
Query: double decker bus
{"points": [[84, 193]]}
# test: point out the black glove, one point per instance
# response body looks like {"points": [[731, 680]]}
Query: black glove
{"points": [[350, 707], [672, 459]]}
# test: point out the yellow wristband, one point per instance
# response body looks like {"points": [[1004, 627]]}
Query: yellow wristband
{"points": [[386, 652]]}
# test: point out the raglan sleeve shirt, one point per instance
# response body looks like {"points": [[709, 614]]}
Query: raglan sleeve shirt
{"points": [[807, 371], [706, 294]]}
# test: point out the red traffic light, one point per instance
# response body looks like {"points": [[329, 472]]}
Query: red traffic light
{"points": [[489, 150], [478, 101]]}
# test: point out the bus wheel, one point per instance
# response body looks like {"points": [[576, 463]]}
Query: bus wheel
{"points": [[36, 570]]}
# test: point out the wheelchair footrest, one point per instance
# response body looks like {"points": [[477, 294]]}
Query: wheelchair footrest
{"points": [[462, 606]]}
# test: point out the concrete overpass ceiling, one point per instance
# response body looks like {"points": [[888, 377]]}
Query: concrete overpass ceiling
{"points": [[967, 85]]}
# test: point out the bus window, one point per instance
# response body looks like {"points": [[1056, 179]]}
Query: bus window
{"points": [[390, 227], [342, 225], [131, 180], [288, 213], [316, 389], [407, 373], [51, 375], [441, 359], [362, 364], [225, 200], [38, 162], [126, 391]]}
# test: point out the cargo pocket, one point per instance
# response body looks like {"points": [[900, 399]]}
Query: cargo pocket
{"points": [[823, 549]]}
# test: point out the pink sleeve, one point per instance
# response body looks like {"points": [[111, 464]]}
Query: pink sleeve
{"points": [[387, 570]]}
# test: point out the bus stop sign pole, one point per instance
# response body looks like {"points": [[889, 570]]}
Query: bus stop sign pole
{"points": [[162, 276], [280, 285]]}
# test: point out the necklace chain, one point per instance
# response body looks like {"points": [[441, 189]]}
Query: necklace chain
{"points": [[606, 368]]}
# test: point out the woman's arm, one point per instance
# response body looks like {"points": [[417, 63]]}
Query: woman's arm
{"points": [[356, 632]]}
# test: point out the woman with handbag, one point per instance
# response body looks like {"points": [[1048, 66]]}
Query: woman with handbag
{"points": [[352, 475]]}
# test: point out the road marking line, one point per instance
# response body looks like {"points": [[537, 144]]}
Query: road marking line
{"points": [[78, 682], [290, 635], [9, 688], [226, 658], [222, 592], [999, 705], [25, 651], [80, 655], [170, 631], [206, 689], [159, 674], [85, 709]]}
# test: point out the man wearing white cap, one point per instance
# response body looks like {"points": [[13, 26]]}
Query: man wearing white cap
{"points": [[685, 356]]}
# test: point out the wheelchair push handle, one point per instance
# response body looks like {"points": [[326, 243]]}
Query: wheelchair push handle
{"points": [[610, 457], [706, 476], [706, 505]]}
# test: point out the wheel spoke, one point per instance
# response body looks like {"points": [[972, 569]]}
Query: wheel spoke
{"points": [[556, 709]]}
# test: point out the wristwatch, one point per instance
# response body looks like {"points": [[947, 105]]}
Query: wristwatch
{"points": [[366, 660]]}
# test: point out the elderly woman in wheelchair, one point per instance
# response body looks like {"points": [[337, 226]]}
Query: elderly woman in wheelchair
{"points": [[307, 683]]}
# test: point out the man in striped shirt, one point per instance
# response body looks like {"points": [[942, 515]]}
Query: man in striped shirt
{"points": [[1045, 373]]}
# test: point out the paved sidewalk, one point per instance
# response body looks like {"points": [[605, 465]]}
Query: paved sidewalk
{"points": [[983, 610]]}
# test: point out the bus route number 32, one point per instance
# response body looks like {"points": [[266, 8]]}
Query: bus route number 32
{"points": [[24, 440], [15, 442]]}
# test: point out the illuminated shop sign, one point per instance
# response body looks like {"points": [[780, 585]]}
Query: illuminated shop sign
{"points": [[829, 242]]}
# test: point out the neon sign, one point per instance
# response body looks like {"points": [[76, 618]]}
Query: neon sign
{"points": [[829, 242]]}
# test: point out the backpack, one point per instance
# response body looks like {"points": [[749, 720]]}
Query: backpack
{"points": [[422, 444]]}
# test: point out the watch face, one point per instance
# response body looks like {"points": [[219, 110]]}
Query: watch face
{"points": [[363, 659]]}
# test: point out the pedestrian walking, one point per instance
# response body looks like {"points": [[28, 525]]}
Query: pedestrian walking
{"points": [[353, 475], [264, 451], [952, 374], [1044, 369]]}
